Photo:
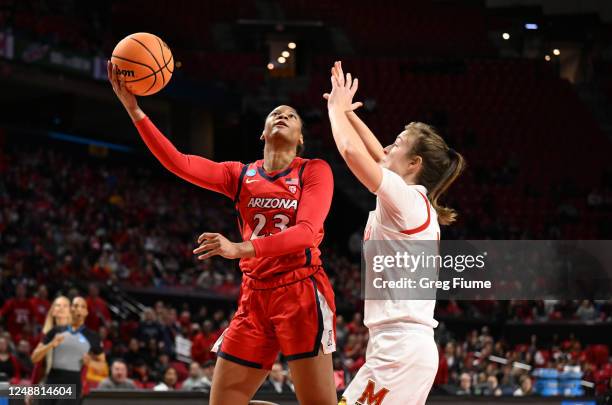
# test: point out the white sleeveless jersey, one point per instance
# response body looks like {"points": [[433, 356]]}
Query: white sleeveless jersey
{"points": [[402, 212]]}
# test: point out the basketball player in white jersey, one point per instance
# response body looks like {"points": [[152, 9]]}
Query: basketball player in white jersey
{"points": [[407, 177]]}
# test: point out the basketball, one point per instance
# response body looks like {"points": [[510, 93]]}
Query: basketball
{"points": [[144, 61]]}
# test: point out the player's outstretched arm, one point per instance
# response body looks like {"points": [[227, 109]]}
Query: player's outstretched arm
{"points": [[348, 142], [219, 177], [370, 141]]}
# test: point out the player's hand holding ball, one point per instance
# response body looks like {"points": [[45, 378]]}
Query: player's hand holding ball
{"points": [[123, 94], [141, 64], [343, 90]]}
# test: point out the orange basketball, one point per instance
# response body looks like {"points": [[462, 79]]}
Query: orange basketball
{"points": [[144, 61]]}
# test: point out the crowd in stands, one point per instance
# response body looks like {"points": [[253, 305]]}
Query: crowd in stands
{"points": [[83, 224], [480, 364], [108, 224], [144, 353], [105, 223]]}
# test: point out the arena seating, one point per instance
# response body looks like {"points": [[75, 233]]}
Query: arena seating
{"points": [[528, 140], [504, 116], [428, 28]]}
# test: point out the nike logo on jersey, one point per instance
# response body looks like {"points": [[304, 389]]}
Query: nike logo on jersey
{"points": [[248, 181], [284, 203]]}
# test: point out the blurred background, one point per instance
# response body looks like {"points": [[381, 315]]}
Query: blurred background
{"points": [[523, 88]]}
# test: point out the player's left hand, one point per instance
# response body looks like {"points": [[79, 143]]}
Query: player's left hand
{"points": [[343, 90], [215, 244]]}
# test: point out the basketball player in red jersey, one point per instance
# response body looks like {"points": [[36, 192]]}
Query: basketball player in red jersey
{"points": [[286, 302]]}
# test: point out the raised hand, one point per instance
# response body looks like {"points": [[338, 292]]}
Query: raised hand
{"points": [[123, 94], [343, 90]]}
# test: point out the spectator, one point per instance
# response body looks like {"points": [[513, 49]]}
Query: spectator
{"points": [[442, 373], [481, 384], [465, 385], [202, 342], [98, 309], [341, 330], [340, 374], [40, 304], [151, 353], [169, 382], [96, 372], [208, 370], [525, 387], [170, 329], [276, 380], [149, 328], [507, 386], [219, 318], [28, 334], [18, 311], [118, 378], [161, 364], [451, 359], [356, 324], [107, 342], [134, 355], [141, 375], [195, 382], [492, 388], [23, 357], [9, 366], [586, 311]]}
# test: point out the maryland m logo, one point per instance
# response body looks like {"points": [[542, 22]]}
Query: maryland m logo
{"points": [[368, 397]]}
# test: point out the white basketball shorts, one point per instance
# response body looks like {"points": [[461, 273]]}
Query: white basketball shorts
{"points": [[401, 364]]}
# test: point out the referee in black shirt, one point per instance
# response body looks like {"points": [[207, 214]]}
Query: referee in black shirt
{"points": [[73, 347]]}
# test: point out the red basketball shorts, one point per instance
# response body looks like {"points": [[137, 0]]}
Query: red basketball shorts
{"points": [[297, 319]]}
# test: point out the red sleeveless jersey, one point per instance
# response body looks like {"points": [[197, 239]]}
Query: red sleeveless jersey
{"points": [[268, 205]]}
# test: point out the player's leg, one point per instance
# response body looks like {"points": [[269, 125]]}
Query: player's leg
{"points": [[303, 315], [313, 380], [246, 351], [357, 385], [235, 384], [400, 369]]}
